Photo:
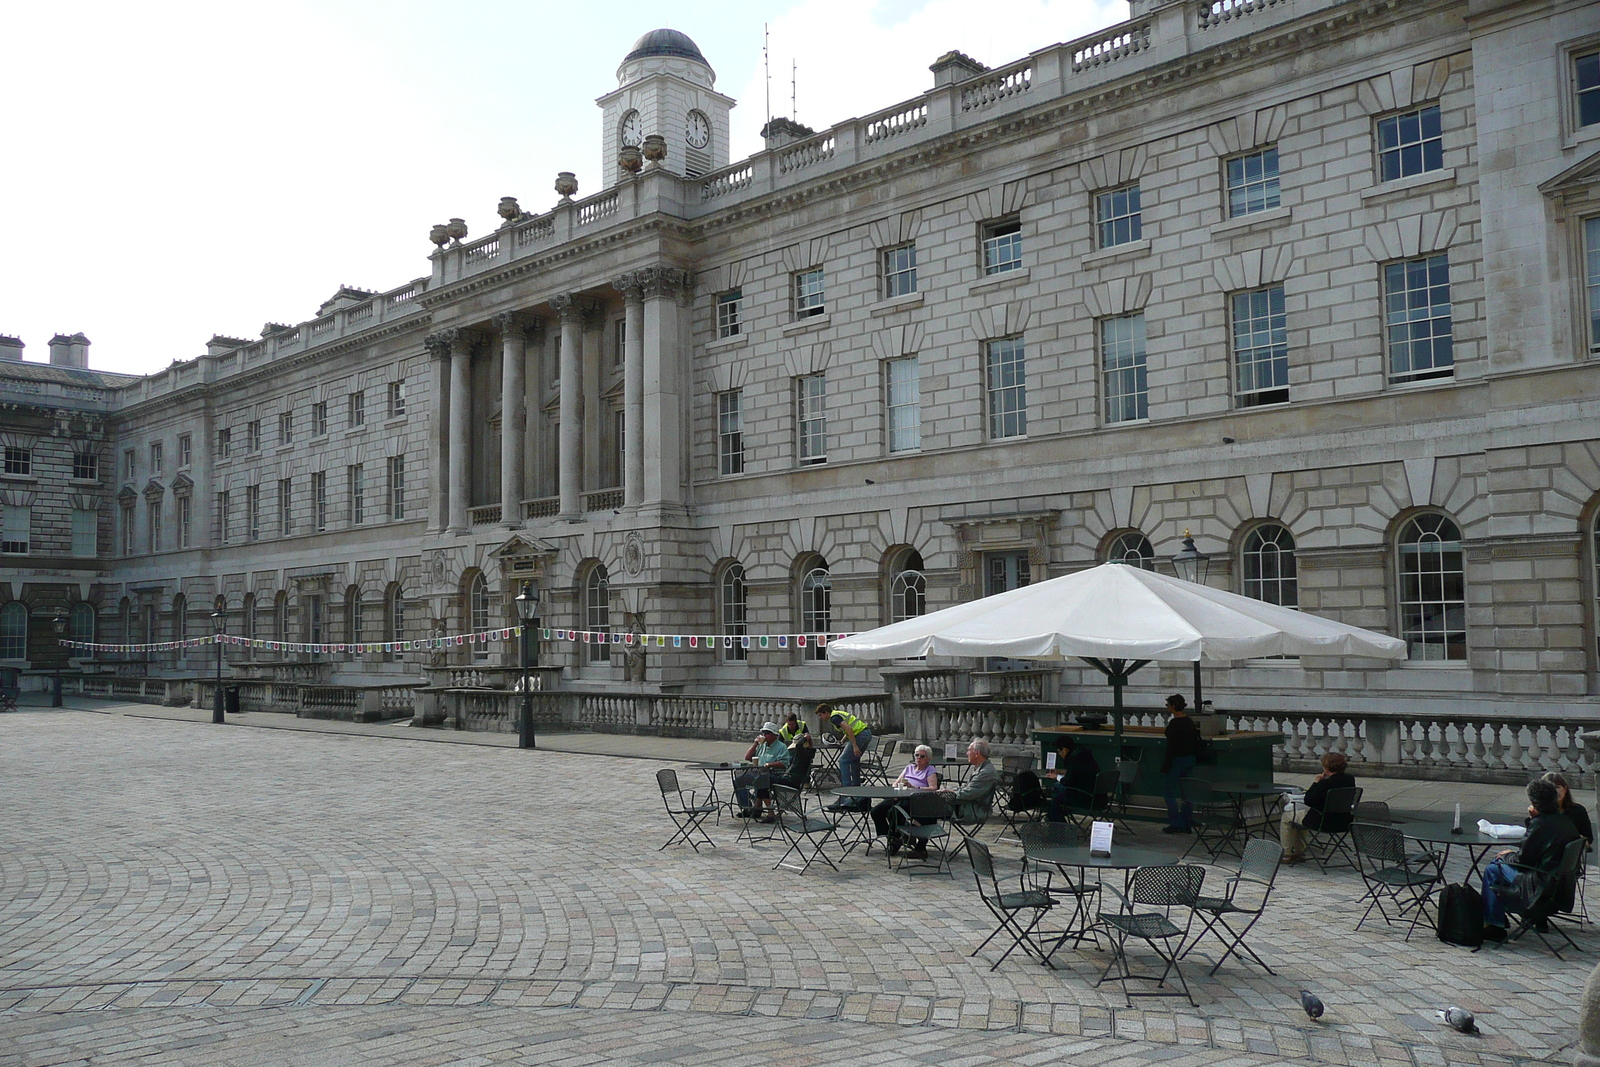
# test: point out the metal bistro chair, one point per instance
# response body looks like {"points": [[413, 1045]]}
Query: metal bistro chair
{"points": [[801, 831], [1333, 830], [685, 812], [875, 761], [1245, 898], [1381, 859], [1166, 887], [1127, 776], [760, 783], [1053, 880], [926, 805], [1083, 809], [1554, 902], [1010, 767], [10, 688], [1026, 802], [1215, 822], [1008, 908]]}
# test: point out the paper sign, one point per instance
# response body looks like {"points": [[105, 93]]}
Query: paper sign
{"points": [[1050, 761], [1100, 839], [950, 750]]}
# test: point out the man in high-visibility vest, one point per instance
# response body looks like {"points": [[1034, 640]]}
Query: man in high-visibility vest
{"points": [[856, 736]]}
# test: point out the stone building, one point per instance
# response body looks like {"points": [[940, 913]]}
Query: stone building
{"points": [[1316, 281]]}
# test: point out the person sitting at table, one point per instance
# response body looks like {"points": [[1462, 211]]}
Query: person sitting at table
{"points": [[856, 736], [974, 799], [801, 754], [771, 757], [1549, 833], [792, 727], [1177, 760], [888, 815], [1571, 808], [1075, 774], [1294, 827]]}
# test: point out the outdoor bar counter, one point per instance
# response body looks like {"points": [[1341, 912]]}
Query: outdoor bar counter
{"points": [[1243, 755]]}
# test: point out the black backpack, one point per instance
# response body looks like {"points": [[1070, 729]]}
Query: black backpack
{"points": [[1461, 916], [1026, 793]]}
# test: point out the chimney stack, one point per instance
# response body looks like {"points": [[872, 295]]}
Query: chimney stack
{"points": [[11, 348], [780, 132], [953, 67], [69, 351]]}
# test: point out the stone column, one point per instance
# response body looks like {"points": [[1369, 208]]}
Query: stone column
{"points": [[634, 443], [513, 416], [438, 345], [571, 314], [663, 377], [460, 426]]}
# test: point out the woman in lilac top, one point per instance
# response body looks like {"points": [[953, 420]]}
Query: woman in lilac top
{"points": [[917, 775]]}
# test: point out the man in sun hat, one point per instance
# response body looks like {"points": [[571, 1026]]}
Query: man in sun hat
{"points": [[771, 757]]}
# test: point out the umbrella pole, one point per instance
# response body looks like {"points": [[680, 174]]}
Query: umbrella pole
{"points": [[1198, 707]]}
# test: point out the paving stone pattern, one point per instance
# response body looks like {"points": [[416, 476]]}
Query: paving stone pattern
{"points": [[178, 893]]}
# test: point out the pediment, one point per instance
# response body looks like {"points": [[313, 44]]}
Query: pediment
{"points": [[519, 547], [182, 484], [1580, 177], [127, 497], [154, 489]]}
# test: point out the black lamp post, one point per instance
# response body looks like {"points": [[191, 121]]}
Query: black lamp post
{"points": [[527, 603], [1192, 565], [219, 625], [59, 624]]}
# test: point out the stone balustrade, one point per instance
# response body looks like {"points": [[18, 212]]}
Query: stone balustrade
{"points": [[369, 703], [722, 718]]}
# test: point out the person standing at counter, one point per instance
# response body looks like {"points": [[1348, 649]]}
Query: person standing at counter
{"points": [[1182, 752]]}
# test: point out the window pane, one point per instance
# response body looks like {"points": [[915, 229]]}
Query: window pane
{"points": [[1002, 247], [1410, 143], [1588, 78], [1253, 183], [812, 418], [904, 391], [1122, 360], [1417, 319], [1260, 347], [1432, 589], [1008, 388]]}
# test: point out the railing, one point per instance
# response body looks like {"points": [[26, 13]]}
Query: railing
{"points": [[597, 208], [486, 515], [997, 86], [403, 295], [172, 692], [1121, 41], [532, 233], [1217, 12], [359, 313], [806, 153], [698, 716], [899, 121], [730, 179], [483, 251], [603, 500], [321, 326], [355, 702], [543, 508]]}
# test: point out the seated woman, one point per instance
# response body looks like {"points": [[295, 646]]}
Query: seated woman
{"points": [[887, 814], [1294, 829], [1571, 808]]}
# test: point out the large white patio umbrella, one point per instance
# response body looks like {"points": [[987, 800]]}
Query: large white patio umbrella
{"points": [[1117, 618]]}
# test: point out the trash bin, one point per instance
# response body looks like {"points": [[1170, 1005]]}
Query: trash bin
{"points": [[230, 699]]}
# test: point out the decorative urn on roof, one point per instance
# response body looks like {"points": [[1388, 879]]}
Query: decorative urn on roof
{"points": [[566, 184], [440, 234], [630, 159], [509, 209], [655, 148], [457, 229]]}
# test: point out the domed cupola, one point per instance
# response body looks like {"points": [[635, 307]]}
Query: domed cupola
{"points": [[666, 86]]}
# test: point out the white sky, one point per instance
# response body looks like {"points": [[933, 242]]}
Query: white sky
{"points": [[176, 170]]}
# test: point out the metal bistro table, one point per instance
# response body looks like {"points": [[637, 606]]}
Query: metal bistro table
{"points": [[863, 834], [1437, 835], [711, 770], [1240, 792], [1124, 858]]}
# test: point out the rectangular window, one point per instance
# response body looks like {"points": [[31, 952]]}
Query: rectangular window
{"points": [[185, 520], [1591, 254], [1417, 319], [286, 428], [129, 464], [902, 389], [1118, 216], [811, 418], [15, 535], [85, 533], [19, 461], [397, 399], [224, 443], [127, 529], [1410, 143], [1122, 366], [899, 271], [285, 508], [252, 436], [252, 513], [1586, 74], [1253, 182], [185, 451], [728, 312], [808, 294], [358, 495], [319, 500], [153, 525], [619, 335], [157, 459], [397, 487], [1260, 347], [1007, 388], [319, 418], [730, 432], [358, 410], [619, 454], [85, 467], [1002, 246], [224, 528]]}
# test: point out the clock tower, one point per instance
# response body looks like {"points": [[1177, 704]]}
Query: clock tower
{"points": [[666, 86]]}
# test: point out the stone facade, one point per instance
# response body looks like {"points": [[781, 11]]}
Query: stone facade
{"points": [[699, 388]]}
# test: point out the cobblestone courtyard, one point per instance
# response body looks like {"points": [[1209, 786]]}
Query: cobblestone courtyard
{"points": [[172, 892]]}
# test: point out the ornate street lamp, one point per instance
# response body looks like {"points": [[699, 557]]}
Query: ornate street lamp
{"points": [[219, 625], [527, 603], [1191, 565], [59, 624]]}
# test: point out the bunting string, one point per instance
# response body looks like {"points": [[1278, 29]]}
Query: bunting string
{"points": [[695, 641]]}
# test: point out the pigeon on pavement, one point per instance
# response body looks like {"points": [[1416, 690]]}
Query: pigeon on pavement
{"points": [[1459, 1019], [1313, 1006]]}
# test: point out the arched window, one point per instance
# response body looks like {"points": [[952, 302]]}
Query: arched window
{"points": [[1432, 594], [597, 613], [478, 612], [908, 588], [394, 617], [180, 618], [1133, 548], [733, 606], [816, 607], [1268, 565], [82, 621], [14, 631]]}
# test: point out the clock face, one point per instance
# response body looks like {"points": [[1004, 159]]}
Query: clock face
{"points": [[699, 131], [630, 128]]}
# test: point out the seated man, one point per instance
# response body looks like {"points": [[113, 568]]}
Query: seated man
{"points": [[771, 757], [1549, 833], [793, 727], [801, 754], [1075, 774], [973, 800], [1293, 826]]}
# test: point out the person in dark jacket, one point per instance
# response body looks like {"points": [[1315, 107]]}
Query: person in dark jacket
{"points": [[1549, 833], [1075, 774], [1181, 754], [1571, 808], [1294, 831]]}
